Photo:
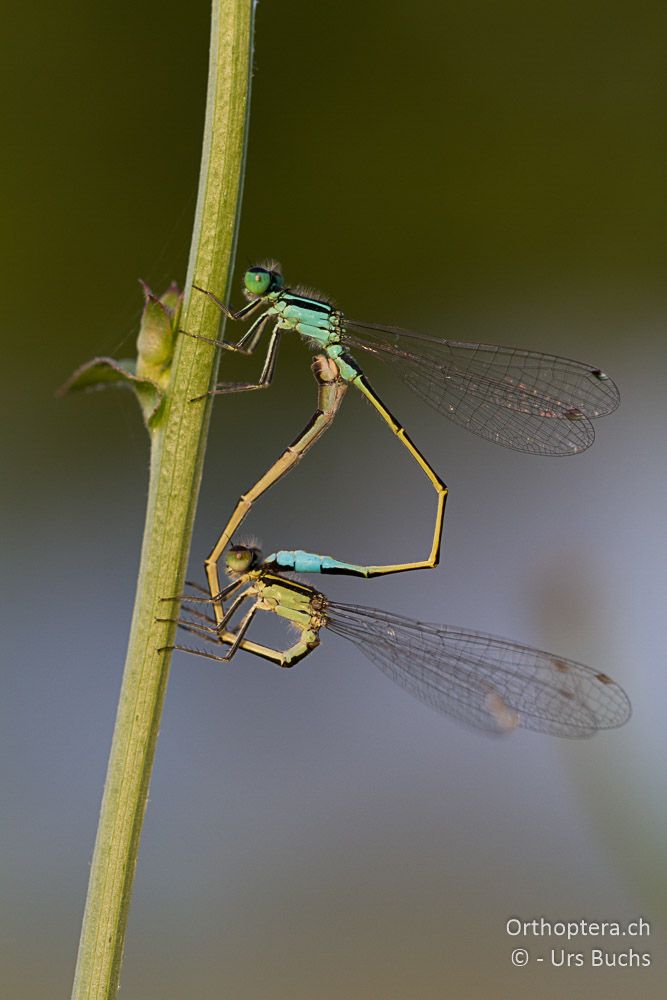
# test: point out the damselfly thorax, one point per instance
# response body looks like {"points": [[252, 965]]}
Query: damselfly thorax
{"points": [[310, 317]]}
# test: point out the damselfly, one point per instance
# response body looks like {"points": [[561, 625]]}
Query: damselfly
{"points": [[487, 682], [525, 400]]}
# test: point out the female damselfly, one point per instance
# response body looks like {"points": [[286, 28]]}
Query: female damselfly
{"points": [[487, 682]]}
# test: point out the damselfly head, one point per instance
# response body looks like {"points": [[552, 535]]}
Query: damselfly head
{"points": [[263, 279], [241, 559]]}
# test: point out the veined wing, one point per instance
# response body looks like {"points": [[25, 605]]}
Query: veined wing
{"points": [[489, 683], [525, 400]]}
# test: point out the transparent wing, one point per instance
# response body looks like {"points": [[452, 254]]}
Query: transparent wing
{"points": [[486, 682], [525, 400]]}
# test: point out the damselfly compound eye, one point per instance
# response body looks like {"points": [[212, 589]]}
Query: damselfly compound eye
{"points": [[257, 280], [262, 280], [241, 559]]}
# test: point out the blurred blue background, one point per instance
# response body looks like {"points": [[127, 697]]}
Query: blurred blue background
{"points": [[488, 172]]}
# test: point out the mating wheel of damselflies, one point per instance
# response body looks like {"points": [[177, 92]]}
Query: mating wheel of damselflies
{"points": [[525, 400]]}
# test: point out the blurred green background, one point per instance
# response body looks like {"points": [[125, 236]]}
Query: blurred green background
{"points": [[482, 171]]}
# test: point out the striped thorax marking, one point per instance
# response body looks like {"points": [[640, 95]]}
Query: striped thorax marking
{"points": [[308, 317], [297, 602]]}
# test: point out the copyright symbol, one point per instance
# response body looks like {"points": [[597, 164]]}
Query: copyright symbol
{"points": [[520, 957]]}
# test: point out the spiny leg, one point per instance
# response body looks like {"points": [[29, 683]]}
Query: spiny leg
{"points": [[267, 373], [218, 626], [231, 610], [331, 390], [194, 651], [246, 345], [282, 658], [248, 342], [309, 562], [209, 631], [202, 616], [240, 631], [195, 629], [224, 594], [241, 313], [212, 626], [265, 378]]}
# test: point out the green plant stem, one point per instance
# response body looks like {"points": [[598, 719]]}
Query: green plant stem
{"points": [[177, 453]]}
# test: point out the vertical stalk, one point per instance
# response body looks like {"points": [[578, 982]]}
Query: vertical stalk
{"points": [[177, 453]]}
